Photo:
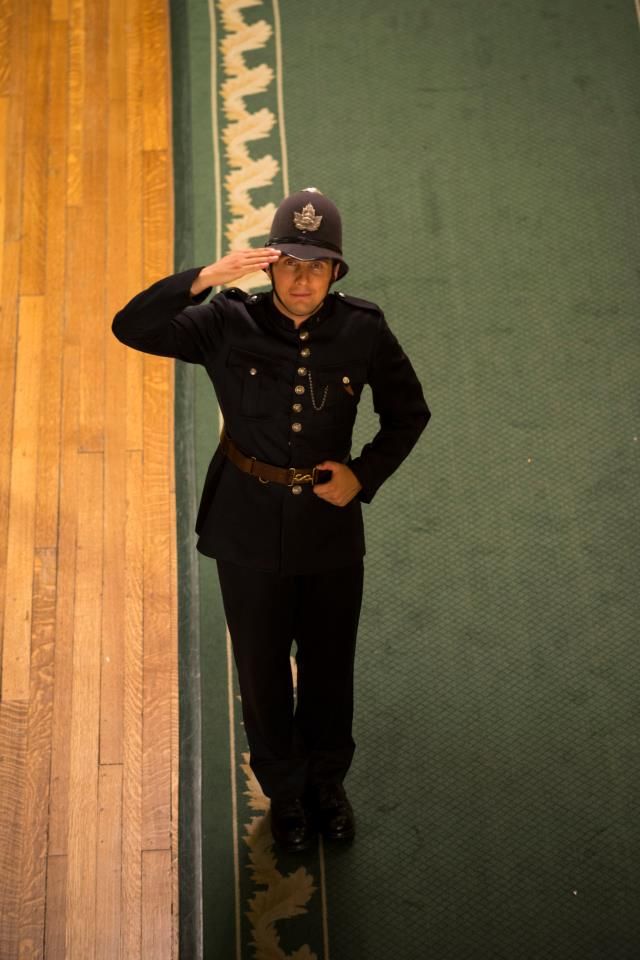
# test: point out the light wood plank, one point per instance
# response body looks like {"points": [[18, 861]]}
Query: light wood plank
{"points": [[4, 181], [157, 446], [5, 46], [85, 705], [85, 326], [14, 87], [156, 920], [156, 784], [61, 732], [76, 134], [48, 482], [55, 924], [16, 648], [32, 274], [158, 654], [117, 63], [157, 214], [11, 188], [133, 700], [135, 233], [8, 343], [113, 628], [13, 744], [134, 370], [109, 868], [113, 623], [155, 70], [93, 226], [175, 699], [59, 10], [38, 759]]}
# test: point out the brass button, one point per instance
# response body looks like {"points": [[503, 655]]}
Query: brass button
{"points": [[296, 427], [304, 334], [305, 352], [297, 408], [346, 380], [253, 371], [299, 389], [302, 371], [296, 489]]}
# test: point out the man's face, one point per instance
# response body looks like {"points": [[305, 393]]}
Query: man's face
{"points": [[301, 285]]}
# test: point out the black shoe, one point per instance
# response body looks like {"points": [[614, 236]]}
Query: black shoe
{"points": [[290, 825], [332, 812]]}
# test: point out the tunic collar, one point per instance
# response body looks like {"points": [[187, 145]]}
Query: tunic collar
{"points": [[286, 323]]}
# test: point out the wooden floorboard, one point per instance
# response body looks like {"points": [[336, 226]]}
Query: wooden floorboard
{"points": [[38, 758], [88, 639]]}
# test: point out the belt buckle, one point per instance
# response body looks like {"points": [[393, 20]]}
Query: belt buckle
{"points": [[300, 476]]}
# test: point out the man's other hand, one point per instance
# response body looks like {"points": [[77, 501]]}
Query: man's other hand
{"points": [[343, 486]]}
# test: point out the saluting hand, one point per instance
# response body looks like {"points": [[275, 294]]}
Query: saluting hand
{"points": [[235, 265], [343, 486]]}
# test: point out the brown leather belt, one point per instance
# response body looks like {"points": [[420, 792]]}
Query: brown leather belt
{"points": [[265, 472]]}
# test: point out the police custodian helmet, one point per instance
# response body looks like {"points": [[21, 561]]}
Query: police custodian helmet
{"points": [[307, 226]]}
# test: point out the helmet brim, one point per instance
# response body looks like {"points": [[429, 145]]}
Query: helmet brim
{"points": [[305, 251]]}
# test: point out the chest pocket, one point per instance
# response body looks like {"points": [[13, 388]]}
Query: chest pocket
{"points": [[254, 380], [340, 387]]}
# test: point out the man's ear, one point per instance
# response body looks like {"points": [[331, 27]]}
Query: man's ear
{"points": [[336, 270]]}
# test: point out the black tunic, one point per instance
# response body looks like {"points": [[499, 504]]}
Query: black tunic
{"points": [[253, 355]]}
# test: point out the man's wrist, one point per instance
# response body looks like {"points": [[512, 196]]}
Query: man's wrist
{"points": [[201, 283]]}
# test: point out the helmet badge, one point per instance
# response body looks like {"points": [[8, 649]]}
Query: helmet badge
{"points": [[306, 218]]}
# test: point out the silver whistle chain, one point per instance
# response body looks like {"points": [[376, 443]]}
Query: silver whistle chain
{"points": [[315, 405]]}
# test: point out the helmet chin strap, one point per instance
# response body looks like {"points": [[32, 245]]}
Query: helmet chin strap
{"points": [[273, 287]]}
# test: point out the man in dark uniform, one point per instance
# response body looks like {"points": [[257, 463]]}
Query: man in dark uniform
{"points": [[281, 505]]}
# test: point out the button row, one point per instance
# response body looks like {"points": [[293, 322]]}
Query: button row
{"points": [[299, 389]]}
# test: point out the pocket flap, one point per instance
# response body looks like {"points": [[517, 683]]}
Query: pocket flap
{"points": [[253, 363], [347, 373]]}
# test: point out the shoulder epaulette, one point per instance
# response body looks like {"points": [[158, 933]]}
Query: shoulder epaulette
{"points": [[356, 302], [234, 293]]}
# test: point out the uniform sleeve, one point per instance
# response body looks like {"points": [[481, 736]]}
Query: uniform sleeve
{"points": [[167, 321], [400, 405]]}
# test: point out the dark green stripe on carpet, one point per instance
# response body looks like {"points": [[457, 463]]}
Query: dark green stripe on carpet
{"points": [[485, 159]]}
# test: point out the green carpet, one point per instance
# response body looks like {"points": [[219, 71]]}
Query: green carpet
{"points": [[485, 159]]}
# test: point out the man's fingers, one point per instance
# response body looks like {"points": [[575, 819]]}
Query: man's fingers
{"points": [[325, 490], [247, 260], [262, 253]]}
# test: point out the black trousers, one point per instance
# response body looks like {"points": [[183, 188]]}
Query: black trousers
{"points": [[295, 741]]}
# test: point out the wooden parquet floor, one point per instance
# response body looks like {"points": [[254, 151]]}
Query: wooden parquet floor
{"points": [[88, 708]]}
